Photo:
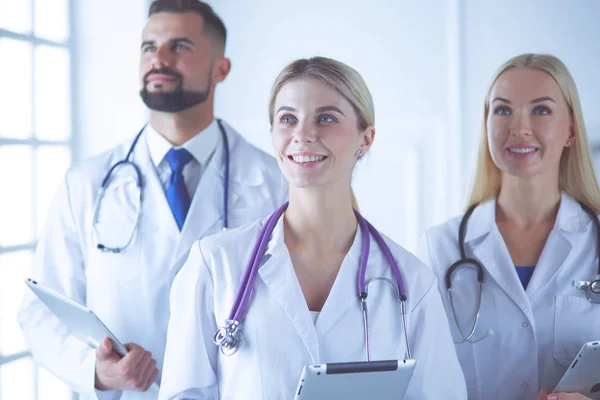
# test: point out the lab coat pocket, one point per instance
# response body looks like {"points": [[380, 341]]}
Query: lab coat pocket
{"points": [[576, 321], [110, 267]]}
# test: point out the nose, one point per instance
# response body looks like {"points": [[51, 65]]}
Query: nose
{"points": [[305, 133], [162, 57], [520, 124]]}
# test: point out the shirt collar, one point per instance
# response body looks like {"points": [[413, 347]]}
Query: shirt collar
{"points": [[201, 146]]}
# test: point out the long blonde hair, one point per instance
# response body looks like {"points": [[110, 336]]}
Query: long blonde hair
{"points": [[343, 78], [576, 171]]}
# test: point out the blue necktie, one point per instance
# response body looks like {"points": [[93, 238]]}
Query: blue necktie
{"points": [[177, 194]]}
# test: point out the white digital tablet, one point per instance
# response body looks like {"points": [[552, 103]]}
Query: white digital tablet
{"points": [[382, 380], [81, 322], [583, 376]]}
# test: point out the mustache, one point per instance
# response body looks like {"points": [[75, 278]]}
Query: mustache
{"points": [[162, 71]]}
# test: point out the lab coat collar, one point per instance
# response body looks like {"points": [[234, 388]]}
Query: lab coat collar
{"points": [[489, 247], [243, 169], [482, 221], [280, 278], [570, 218], [571, 222]]}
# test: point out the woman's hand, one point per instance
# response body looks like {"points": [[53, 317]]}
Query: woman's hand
{"points": [[546, 395]]}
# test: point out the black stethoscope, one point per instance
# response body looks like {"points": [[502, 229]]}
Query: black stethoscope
{"points": [[592, 288], [127, 162]]}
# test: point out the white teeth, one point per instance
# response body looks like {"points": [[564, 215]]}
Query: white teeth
{"points": [[523, 150], [306, 159]]}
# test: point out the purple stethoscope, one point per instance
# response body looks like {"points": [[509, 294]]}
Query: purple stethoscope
{"points": [[229, 336]]}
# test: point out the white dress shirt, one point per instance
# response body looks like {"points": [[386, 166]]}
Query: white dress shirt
{"points": [[201, 146]]}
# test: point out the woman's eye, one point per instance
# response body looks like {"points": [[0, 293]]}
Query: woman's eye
{"points": [[148, 49], [502, 110], [326, 118], [287, 119], [541, 110]]}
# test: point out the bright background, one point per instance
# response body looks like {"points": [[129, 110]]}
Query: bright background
{"points": [[69, 90]]}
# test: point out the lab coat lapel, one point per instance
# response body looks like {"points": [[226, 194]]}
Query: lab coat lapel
{"points": [[206, 208], [344, 292], [553, 256], [492, 252], [155, 207], [570, 219], [280, 278], [244, 172]]}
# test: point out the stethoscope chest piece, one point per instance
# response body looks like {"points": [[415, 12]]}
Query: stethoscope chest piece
{"points": [[592, 289], [228, 337]]}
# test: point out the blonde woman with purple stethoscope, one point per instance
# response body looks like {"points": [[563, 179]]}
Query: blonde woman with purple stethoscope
{"points": [[509, 269], [298, 301]]}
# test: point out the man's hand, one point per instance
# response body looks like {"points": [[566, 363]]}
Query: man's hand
{"points": [[136, 371]]}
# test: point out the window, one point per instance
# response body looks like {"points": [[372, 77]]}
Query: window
{"points": [[35, 151]]}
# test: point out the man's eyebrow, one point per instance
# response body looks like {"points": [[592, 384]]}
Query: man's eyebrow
{"points": [[172, 41]]}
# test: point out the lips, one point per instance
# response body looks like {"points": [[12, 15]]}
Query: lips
{"points": [[306, 159], [523, 150], [160, 78], [301, 159]]}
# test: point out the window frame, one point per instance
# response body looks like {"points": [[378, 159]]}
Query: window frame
{"points": [[70, 143]]}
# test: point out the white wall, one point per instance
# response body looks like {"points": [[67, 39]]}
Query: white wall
{"points": [[106, 49], [494, 32], [401, 48], [427, 64]]}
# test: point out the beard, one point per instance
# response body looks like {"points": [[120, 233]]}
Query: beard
{"points": [[176, 100]]}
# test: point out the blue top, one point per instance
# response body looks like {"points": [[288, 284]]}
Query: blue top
{"points": [[525, 274]]}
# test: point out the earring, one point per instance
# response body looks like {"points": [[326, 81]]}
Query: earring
{"points": [[359, 153], [568, 142]]}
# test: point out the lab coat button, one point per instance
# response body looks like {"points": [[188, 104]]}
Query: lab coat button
{"points": [[524, 385], [525, 324]]}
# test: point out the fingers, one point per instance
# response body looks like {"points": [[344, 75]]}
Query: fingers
{"points": [[104, 350], [134, 356], [143, 371], [151, 373], [566, 396], [137, 367]]}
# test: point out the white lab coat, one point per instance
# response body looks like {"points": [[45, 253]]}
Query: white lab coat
{"points": [[130, 291], [536, 332], [279, 336]]}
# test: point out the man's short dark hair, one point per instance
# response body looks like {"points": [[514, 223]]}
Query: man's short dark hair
{"points": [[213, 25]]}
